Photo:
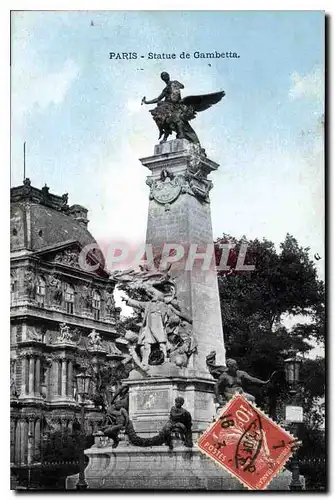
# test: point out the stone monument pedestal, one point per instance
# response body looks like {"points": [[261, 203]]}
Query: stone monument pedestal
{"points": [[150, 402], [158, 468]]}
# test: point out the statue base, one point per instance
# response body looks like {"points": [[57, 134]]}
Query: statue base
{"points": [[158, 468], [151, 399]]}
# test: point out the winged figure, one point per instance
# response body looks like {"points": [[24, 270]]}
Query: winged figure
{"points": [[173, 113]]}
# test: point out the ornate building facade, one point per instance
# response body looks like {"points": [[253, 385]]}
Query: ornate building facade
{"points": [[62, 307]]}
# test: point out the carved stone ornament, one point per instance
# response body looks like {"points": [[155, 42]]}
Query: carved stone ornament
{"points": [[13, 389], [55, 289], [166, 189], [95, 341], [109, 302], [113, 350], [30, 283], [86, 296], [199, 187], [33, 334], [68, 257], [65, 336]]}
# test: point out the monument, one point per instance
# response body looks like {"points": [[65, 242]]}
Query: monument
{"points": [[168, 398]]}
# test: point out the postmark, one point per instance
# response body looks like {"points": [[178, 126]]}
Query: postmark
{"points": [[247, 443]]}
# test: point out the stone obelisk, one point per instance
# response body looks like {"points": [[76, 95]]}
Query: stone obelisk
{"points": [[179, 220]]}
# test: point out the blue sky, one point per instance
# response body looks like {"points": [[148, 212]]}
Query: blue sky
{"points": [[80, 115]]}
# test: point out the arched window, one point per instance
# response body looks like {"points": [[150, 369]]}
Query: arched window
{"points": [[40, 291], [69, 299], [96, 304]]}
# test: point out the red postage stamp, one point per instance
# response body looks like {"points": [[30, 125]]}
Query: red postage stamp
{"points": [[247, 443]]}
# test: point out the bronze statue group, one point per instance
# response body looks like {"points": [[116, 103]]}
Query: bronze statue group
{"points": [[178, 425], [229, 381]]}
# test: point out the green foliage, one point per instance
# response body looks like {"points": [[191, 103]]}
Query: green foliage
{"points": [[312, 457], [254, 303], [105, 377], [64, 446], [282, 282], [254, 306], [313, 377]]}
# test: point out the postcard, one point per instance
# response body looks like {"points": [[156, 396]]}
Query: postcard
{"points": [[167, 250]]}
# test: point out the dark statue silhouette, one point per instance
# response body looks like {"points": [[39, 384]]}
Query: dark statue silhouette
{"points": [[173, 113], [178, 425]]}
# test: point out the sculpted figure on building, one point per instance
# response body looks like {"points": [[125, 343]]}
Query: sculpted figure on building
{"points": [[86, 296], [65, 334], [30, 283], [56, 290], [109, 301], [94, 340]]}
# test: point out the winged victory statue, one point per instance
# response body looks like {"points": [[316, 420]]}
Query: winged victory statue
{"points": [[173, 113]]}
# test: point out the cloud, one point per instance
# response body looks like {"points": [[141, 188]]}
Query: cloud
{"points": [[134, 106], [309, 86], [117, 192], [35, 87]]}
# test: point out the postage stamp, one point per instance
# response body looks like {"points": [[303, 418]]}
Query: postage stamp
{"points": [[247, 443]]}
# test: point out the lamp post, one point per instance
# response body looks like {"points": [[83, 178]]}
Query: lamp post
{"points": [[83, 388], [30, 458], [294, 413]]}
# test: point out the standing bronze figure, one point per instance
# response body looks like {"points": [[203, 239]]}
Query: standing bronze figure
{"points": [[173, 113]]}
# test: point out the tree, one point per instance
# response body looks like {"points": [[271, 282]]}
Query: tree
{"points": [[254, 307], [254, 303], [284, 282]]}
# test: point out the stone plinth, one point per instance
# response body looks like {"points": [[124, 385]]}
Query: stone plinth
{"points": [[158, 468], [179, 213], [150, 401]]}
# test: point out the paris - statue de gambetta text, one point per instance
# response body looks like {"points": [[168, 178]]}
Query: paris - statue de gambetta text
{"points": [[173, 112], [216, 54]]}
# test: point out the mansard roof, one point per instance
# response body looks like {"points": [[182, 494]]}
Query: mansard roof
{"points": [[41, 220]]}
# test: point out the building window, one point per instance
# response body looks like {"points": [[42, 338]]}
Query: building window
{"points": [[40, 291], [69, 299], [96, 305]]}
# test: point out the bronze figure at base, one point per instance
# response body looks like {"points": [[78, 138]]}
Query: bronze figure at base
{"points": [[229, 380], [179, 425], [117, 418]]}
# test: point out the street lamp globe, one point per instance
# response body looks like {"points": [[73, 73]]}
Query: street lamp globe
{"points": [[83, 388], [292, 372], [292, 368]]}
